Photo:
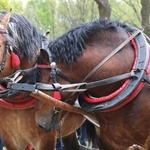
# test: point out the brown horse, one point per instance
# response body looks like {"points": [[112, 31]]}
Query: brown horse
{"points": [[19, 48], [17, 114], [112, 60]]}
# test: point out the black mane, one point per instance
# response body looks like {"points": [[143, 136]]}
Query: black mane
{"points": [[70, 45], [22, 36]]}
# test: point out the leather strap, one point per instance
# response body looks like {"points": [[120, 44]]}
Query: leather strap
{"points": [[108, 80]]}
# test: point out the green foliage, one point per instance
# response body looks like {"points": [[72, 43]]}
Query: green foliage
{"points": [[41, 13], [4, 5], [59, 16], [72, 13], [16, 6]]}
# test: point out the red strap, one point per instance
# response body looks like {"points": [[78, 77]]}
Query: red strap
{"points": [[57, 95], [29, 147], [15, 61]]}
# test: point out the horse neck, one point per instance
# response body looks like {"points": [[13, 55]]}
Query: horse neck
{"points": [[120, 63]]}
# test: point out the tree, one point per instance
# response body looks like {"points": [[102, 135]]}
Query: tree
{"points": [[16, 6], [42, 14], [71, 13], [61, 15], [104, 8], [6, 5], [136, 12], [126, 10], [145, 13]]}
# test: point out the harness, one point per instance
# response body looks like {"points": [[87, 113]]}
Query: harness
{"points": [[133, 84], [15, 99], [131, 87]]}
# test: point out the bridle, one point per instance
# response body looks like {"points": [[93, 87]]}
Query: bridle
{"points": [[10, 98]]}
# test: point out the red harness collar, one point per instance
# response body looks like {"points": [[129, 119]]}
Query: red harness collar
{"points": [[24, 101], [20, 105], [101, 100]]}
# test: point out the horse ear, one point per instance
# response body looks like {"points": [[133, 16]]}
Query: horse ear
{"points": [[44, 56], [5, 20]]}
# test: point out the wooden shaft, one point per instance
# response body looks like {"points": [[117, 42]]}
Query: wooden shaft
{"points": [[62, 105]]}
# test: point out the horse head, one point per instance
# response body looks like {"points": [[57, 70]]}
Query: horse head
{"points": [[17, 54], [51, 118], [6, 68]]}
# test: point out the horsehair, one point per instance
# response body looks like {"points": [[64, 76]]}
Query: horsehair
{"points": [[71, 44], [22, 36]]}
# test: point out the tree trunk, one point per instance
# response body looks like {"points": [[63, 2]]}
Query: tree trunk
{"points": [[104, 8], [145, 13]]}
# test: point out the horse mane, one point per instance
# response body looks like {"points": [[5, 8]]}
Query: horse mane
{"points": [[70, 45], [22, 36]]}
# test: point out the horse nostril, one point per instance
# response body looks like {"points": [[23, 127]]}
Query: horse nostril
{"points": [[44, 128], [40, 126]]}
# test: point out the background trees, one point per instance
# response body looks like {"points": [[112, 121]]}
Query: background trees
{"points": [[58, 16], [145, 15], [16, 6]]}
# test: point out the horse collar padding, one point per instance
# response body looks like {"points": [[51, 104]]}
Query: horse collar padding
{"points": [[15, 61], [131, 87]]}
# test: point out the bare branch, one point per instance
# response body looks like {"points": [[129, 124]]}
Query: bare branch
{"points": [[130, 3]]}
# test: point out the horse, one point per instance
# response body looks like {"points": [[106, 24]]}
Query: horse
{"points": [[106, 67], [17, 113], [19, 50]]}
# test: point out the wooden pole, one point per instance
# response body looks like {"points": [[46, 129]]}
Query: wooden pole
{"points": [[62, 105]]}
